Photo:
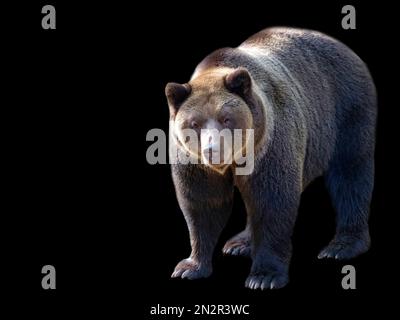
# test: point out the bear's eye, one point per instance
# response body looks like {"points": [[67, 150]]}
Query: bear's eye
{"points": [[227, 121], [194, 125]]}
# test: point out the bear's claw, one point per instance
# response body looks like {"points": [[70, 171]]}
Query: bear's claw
{"points": [[189, 269], [345, 248], [239, 245], [266, 281], [236, 249]]}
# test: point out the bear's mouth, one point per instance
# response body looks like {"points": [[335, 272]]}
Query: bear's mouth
{"points": [[220, 168], [215, 158]]}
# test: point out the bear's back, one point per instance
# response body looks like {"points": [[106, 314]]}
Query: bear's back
{"points": [[306, 57], [306, 52]]}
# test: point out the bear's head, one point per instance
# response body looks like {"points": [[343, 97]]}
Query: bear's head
{"points": [[212, 113]]}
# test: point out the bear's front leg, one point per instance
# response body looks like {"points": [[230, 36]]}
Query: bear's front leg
{"points": [[205, 198], [272, 203]]}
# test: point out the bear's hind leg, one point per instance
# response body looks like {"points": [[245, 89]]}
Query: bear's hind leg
{"points": [[350, 185], [239, 245]]}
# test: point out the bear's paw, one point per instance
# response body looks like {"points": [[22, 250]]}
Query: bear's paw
{"points": [[273, 280], [239, 245], [190, 269]]}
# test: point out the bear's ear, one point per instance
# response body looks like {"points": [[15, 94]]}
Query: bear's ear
{"points": [[238, 81], [176, 93]]}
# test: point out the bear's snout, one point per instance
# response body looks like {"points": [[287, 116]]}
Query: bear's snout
{"points": [[213, 155]]}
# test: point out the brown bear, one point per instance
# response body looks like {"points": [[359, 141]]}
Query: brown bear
{"points": [[312, 105]]}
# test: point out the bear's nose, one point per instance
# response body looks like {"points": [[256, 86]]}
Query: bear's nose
{"points": [[211, 154], [208, 151]]}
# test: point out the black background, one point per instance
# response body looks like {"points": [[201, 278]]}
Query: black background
{"points": [[79, 194]]}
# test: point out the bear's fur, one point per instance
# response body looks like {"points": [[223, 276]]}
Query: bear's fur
{"points": [[312, 104]]}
